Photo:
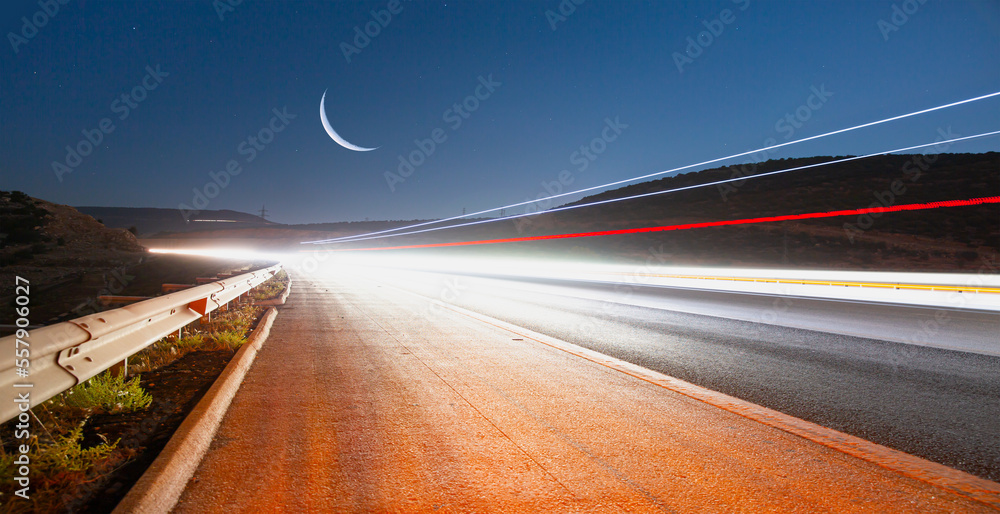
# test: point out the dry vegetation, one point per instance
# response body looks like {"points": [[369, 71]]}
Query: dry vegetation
{"points": [[67, 468]]}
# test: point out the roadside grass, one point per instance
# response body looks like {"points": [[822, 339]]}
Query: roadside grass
{"points": [[109, 393], [227, 340], [61, 466], [58, 461], [235, 319], [227, 331], [272, 288], [58, 466]]}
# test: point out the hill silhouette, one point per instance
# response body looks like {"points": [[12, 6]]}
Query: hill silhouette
{"points": [[946, 239], [961, 238], [150, 220]]}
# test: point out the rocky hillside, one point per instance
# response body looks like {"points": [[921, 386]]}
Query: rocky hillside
{"points": [[37, 233], [57, 249], [946, 239]]}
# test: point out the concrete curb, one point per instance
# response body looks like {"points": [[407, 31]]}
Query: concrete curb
{"points": [[160, 487]]}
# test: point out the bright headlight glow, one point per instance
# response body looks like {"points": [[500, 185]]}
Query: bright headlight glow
{"points": [[225, 253], [584, 270], [949, 290]]}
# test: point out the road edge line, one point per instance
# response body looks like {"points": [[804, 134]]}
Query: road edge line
{"points": [[941, 476], [161, 486]]}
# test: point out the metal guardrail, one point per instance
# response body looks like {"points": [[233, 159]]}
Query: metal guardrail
{"points": [[63, 355]]}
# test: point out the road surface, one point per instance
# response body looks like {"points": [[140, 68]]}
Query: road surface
{"points": [[367, 398], [941, 405]]}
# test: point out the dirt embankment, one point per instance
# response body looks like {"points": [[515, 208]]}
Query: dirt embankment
{"points": [[70, 258], [41, 234], [57, 250]]}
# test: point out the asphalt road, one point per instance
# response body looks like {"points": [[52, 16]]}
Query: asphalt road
{"points": [[939, 404], [366, 398]]}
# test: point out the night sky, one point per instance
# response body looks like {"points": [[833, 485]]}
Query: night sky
{"points": [[199, 81]]}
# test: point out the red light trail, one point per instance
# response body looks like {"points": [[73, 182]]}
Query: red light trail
{"points": [[705, 224]]}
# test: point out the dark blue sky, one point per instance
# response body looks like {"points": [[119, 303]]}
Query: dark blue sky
{"points": [[223, 79]]}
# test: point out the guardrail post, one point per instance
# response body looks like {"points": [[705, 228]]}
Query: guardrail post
{"points": [[120, 368], [81, 348]]}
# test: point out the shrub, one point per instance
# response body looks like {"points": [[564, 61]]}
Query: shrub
{"points": [[58, 469], [19, 197], [236, 319], [164, 352], [66, 454], [272, 288], [191, 342], [109, 393], [228, 340]]}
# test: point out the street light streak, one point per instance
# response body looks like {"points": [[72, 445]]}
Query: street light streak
{"points": [[764, 149], [226, 253], [612, 200], [688, 226]]}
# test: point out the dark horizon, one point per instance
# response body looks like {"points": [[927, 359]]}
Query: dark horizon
{"points": [[587, 197]]}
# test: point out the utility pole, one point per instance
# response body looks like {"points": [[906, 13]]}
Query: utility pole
{"points": [[263, 212], [463, 211]]}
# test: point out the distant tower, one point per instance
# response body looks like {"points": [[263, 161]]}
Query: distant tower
{"points": [[263, 212], [463, 211], [503, 212]]}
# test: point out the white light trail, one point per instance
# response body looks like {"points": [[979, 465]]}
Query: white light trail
{"points": [[912, 288], [361, 237], [226, 253]]}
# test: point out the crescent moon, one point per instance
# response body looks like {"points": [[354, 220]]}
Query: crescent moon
{"points": [[333, 133]]}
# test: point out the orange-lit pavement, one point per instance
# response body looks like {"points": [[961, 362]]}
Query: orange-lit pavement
{"points": [[368, 399]]}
